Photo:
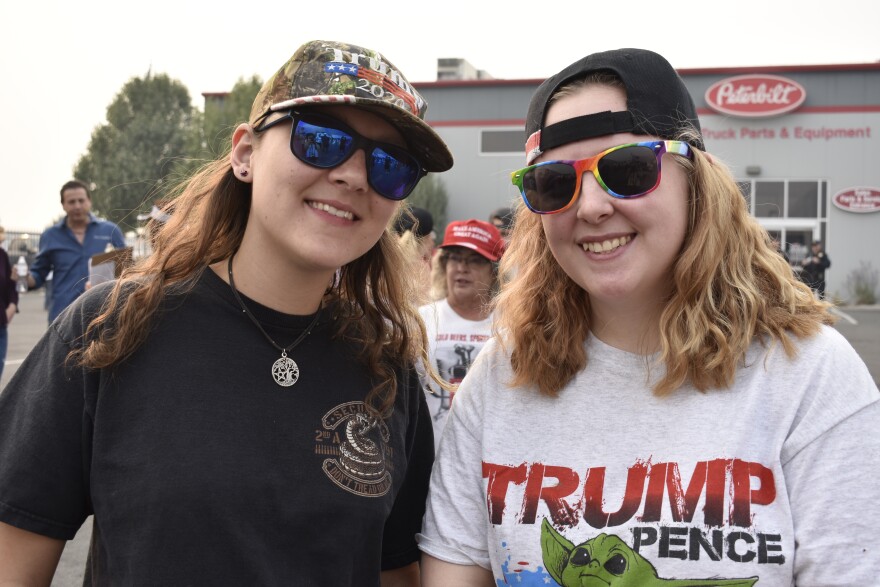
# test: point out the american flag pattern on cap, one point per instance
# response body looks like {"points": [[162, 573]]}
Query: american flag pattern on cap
{"points": [[329, 72]]}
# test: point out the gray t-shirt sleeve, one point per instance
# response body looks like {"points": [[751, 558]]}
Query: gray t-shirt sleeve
{"points": [[834, 441], [456, 518]]}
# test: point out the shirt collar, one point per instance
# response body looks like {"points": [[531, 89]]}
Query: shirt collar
{"points": [[63, 222]]}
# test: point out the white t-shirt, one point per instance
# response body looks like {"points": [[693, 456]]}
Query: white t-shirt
{"points": [[453, 344], [771, 482]]}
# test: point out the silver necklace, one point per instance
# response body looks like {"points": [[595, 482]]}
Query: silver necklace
{"points": [[285, 371]]}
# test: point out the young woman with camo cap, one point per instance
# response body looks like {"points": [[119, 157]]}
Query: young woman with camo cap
{"points": [[241, 408]]}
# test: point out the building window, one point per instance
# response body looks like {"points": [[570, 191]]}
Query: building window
{"points": [[792, 211], [508, 142], [769, 199], [792, 199], [803, 199]]}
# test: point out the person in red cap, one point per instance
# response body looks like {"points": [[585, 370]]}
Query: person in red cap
{"points": [[243, 406], [459, 322]]}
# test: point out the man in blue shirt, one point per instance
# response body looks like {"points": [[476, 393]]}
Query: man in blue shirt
{"points": [[67, 247]]}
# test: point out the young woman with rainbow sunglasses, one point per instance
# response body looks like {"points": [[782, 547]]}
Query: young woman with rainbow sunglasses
{"points": [[241, 407], [664, 403]]}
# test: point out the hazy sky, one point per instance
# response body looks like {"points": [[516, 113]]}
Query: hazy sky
{"points": [[62, 62]]}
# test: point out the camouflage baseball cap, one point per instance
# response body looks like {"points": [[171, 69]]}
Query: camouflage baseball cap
{"points": [[328, 72]]}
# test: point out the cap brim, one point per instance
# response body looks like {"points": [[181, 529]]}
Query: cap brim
{"points": [[424, 142], [473, 247]]}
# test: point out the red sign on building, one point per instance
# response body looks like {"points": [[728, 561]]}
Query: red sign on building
{"points": [[858, 199], [755, 96]]}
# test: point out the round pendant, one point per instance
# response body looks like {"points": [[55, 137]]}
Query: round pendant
{"points": [[285, 371]]}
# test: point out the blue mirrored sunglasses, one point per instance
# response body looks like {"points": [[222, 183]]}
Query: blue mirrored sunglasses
{"points": [[326, 142]]}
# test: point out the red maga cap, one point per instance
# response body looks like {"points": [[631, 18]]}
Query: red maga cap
{"points": [[476, 235]]}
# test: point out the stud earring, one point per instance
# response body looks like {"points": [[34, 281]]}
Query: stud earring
{"points": [[243, 173]]}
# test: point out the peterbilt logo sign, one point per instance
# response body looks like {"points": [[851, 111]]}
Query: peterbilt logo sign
{"points": [[755, 96], [858, 199]]}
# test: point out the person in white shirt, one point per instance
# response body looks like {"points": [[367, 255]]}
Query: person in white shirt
{"points": [[459, 322], [664, 403]]}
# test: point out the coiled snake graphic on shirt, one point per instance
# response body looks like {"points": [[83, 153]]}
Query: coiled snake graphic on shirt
{"points": [[606, 560]]}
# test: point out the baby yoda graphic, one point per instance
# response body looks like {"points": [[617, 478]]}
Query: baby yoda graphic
{"points": [[606, 560]]}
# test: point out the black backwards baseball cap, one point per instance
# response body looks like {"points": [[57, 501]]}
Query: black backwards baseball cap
{"points": [[329, 72], [657, 102]]}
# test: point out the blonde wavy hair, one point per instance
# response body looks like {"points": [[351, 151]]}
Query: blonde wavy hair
{"points": [[413, 248], [729, 287], [209, 213]]}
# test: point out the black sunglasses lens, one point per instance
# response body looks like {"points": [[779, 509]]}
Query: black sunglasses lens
{"points": [[392, 174], [630, 171], [550, 187], [319, 145]]}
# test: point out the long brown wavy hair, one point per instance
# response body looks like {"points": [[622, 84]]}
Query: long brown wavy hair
{"points": [[209, 214], [730, 286]]}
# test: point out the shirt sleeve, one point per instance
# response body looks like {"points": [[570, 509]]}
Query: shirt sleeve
{"points": [[399, 546], [42, 264], [117, 238], [43, 442], [833, 454], [11, 291], [456, 518]]}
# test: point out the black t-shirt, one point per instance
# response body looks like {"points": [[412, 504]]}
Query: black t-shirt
{"points": [[199, 468]]}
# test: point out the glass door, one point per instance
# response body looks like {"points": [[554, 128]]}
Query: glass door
{"points": [[797, 243], [794, 238]]}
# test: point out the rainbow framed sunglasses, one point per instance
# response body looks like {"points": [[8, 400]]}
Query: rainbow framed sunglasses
{"points": [[326, 142], [626, 171]]}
